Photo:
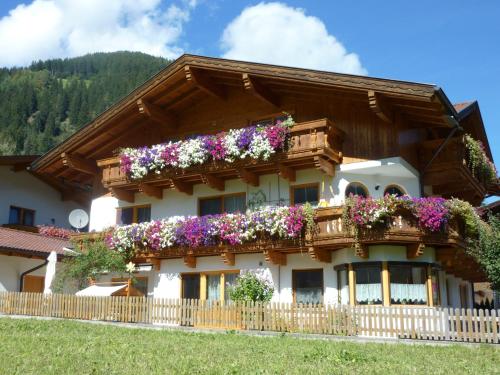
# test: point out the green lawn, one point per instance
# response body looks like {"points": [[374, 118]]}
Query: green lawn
{"points": [[67, 347]]}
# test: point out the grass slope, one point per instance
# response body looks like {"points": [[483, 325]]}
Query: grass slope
{"points": [[69, 347]]}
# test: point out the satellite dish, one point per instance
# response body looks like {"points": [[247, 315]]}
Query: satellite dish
{"points": [[78, 218]]}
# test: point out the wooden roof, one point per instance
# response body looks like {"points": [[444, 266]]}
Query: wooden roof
{"points": [[191, 78]]}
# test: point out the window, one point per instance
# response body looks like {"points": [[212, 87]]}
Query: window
{"points": [[21, 216], [270, 120], [436, 294], [140, 283], [305, 194], [216, 286], [368, 284], [135, 214], [191, 286], [408, 284], [308, 286], [223, 204], [394, 190], [355, 188]]}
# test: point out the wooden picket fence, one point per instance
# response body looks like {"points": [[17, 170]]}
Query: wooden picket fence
{"points": [[372, 321]]}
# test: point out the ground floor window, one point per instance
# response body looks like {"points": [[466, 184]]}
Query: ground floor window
{"points": [[436, 293], [368, 288], [308, 286], [211, 286], [408, 284]]}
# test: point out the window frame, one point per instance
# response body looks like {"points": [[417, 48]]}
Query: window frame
{"points": [[426, 282], [294, 187], [270, 117], [356, 267], [135, 210], [294, 286], [356, 183], [221, 197], [22, 211], [399, 187], [203, 282]]}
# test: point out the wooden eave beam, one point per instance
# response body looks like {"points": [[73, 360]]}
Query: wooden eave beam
{"points": [[182, 187], [415, 250], [253, 86], [123, 195], [325, 166], [213, 181], [249, 177], [201, 80], [275, 257], [190, 261], [287, 173], [156, 113], [321, 255], [362, 250], [228, 258], [379, 107], [151, 191], [79, 164]]}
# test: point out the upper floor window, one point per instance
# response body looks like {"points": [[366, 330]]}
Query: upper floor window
{"points": [[134, 214], [222, 204], [355, 188], [394, 190], [21, 216], [270, 120], [305, 194]]}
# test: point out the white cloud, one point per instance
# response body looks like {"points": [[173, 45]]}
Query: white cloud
{"points": [[64, 28], [278, 34]]}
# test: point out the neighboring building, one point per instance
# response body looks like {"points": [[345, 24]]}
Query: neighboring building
{"points": [[28, 200], [24, 259], [359, 135]]}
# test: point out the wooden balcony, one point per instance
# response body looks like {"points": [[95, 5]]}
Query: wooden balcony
{"points": [[314, 144], [449, 173]]}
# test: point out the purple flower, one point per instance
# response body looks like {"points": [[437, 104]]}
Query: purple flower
{"points": [[246, 137]]}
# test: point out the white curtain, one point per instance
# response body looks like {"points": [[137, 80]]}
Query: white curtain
{"points": [[308, 295], [368, 293], [414, 293], [213, 287]]}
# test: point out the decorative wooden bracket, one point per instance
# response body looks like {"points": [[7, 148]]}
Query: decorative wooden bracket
{"points": [[362, 251], [151, 191], [204, 82], [79, 164], [325, 166], [249, 177], [228, 258], [378, 106], [183, 187], [261, 92], [214, 182], [287, 173], [155, 113], [275, 257], [415, 250], [190, 261], [321, 255], [155, 262], [123, 195]]}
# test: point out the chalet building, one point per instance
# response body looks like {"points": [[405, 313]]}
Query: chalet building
{"points": [[28, 200], [351, 135]]}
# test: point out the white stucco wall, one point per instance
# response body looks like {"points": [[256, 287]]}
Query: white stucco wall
{"points": [[11, 268], [394, 171], [24, 190]]}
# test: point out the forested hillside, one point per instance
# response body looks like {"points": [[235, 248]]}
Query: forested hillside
{"points": [[46, 102]]}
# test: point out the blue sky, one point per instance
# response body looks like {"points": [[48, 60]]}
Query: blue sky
{"points": [[454, 44]]}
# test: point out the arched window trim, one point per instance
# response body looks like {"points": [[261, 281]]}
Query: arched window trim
{"points": [[357, 183], [402, 189]]}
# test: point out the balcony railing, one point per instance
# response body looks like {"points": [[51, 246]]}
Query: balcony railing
{"points": [[330, 234], [450, 173], [314, 144]]}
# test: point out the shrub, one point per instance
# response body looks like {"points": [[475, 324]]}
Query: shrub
{"points": [[250, 287]]}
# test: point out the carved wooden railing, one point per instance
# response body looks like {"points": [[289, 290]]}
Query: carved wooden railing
{"points": [[314, 144], [330, 234]]}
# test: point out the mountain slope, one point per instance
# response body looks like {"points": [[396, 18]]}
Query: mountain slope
{"points": [[46, 102]]}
